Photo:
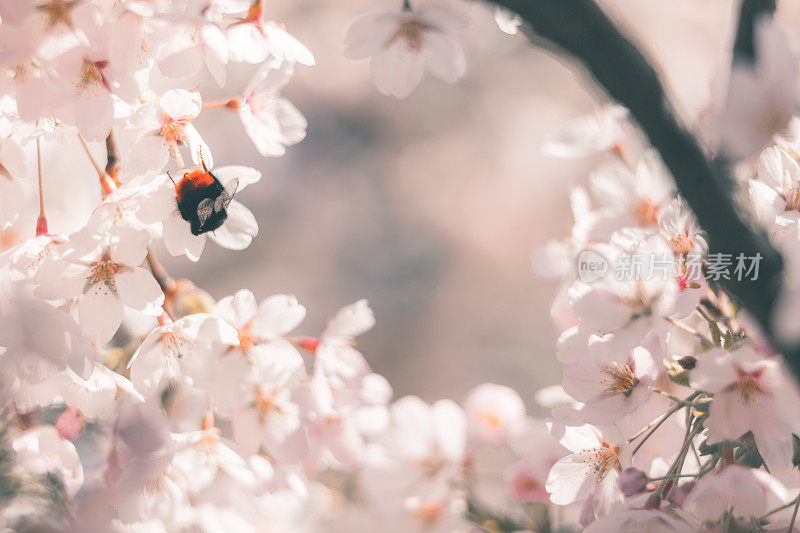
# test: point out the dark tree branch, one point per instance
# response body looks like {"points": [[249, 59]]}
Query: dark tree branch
{"points": [[749, 13], [580, 28]]}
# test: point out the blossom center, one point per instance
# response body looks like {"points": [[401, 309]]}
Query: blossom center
{"points": [[681, 242], [246, 338], [646, 212], [173, 131], [601, 460], [491, 418], [103, 273], [637, 299], [265, 401], [58, 12], [91, 74], [175, 343], [748, 385], [619, 378], [412, 33], [431, 465], [430, 511], [791, 195]]}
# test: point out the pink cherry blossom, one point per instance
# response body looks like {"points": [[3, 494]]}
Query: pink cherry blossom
{"points": [[751, 394], [493, 412]]}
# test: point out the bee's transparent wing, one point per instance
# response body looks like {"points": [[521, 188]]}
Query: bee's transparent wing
{"points": [[204, 210], [225, 198]]}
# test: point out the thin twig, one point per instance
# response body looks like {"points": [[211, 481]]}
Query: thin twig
{"points": [[107, 186], [97, 169], [781, 508], [794, 515], [168, 285], [655, 424]]}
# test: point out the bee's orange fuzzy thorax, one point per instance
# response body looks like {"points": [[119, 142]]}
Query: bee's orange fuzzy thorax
{"points": [[192, 181]]}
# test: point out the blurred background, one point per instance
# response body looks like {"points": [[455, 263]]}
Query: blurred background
{"points": [[430, 207]]}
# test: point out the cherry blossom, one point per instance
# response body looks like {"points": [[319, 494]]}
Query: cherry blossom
{"points": [[611, 386], [186, 348], [735, 487], [39, 340], [601, 131], [751, 394], [493, 412], [336, 355], [423, 446], [12, 169], [256, 40], [194, 43], [592, 468], [100, 71], [104, 274], [776, 193], [134, 400], [271, 122], [507, 21], [40, 450], [161, 127], [761, 98], [404, 44]]}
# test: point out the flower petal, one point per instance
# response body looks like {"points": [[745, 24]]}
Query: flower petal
{"points": [[100, 313], [179, 240], [238, 230], [139, 290]]}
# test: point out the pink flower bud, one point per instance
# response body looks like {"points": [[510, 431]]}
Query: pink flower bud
{"points": [[632, 481], [70, 423]]}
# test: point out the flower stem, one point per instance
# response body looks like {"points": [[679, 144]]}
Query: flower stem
{"points": [[41, 222], [655, 424], [231, 103], [687, 329], [106, 185]]}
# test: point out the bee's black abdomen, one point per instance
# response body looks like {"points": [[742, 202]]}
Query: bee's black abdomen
{"points": [[193, 188]]}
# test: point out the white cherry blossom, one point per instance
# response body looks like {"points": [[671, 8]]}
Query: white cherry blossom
{"points": [[271, 121], [403, 44], [185, 348], [104, 274], [256, 40], [40, 450], [161, 127]]}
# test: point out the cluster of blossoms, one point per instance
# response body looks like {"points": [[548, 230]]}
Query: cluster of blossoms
{"points": [[132, 401], [678, 413]]}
